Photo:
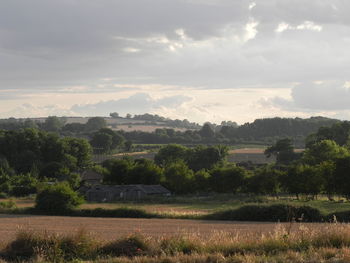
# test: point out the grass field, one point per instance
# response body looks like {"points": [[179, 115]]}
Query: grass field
{"points": [[111, 228], [202, 205], [127, 240]]}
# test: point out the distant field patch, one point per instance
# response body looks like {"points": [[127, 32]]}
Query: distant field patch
{"points": [[145, 128]]}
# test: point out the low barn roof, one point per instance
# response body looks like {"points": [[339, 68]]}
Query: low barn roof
{"points": [[153, 189], [91, 175], [147, 189]]}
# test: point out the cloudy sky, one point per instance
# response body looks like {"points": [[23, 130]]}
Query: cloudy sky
{"points": [[197, 59]]}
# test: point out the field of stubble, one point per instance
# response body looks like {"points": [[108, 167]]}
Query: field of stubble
{"points": [[112, 228]]}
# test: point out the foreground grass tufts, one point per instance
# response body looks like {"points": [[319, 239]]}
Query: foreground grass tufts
{"points": [[135, 245], [330, 243], [53, 248]]}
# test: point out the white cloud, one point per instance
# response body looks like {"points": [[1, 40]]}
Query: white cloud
{"points": [[306, 25], [97, 50], [131, 50], [251, 30], [309, 25], [282, 27], [28, 110], [252, 5], [316, 96], [136, 104]]}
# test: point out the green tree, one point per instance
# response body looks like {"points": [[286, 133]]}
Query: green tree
{"points": [[326, 170], [53, 170], [23, 185], [128, 146], [293, 181], [326, 150], [95, 123], [206, 157], [114, 114], [57, 198], [117, 139], [53, 124], [5, 186], [171, 153], [228, 179], [202, 181], [179, 178], [28, 123], [283, 150], [118, 170], [207, 131], [145, 172], [101, 142], [266, 180], [79, 149], [303, 179], [342, 176]]}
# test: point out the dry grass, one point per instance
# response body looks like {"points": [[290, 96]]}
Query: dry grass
{"points": [[280, 243], [110, 228]]}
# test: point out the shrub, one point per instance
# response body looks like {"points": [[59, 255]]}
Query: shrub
{"points": [[175, 245], [119, 212], [79, 246], [274, 213], [57, 198], [10, 204], [23, 247], [131, 246], [53, 248]]}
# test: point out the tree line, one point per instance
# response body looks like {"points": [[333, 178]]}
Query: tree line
{"points": [[31, 157], [261, 131], [323, 168]]}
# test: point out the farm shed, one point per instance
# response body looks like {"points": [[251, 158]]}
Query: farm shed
{"points": [[90, 177], [108, 193]]}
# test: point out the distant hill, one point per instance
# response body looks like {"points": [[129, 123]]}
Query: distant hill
{"points": [[148, 128], [270, 129]]}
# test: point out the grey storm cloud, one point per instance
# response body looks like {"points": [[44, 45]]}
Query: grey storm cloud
{"points": [[135, 104], [204, 43], [316, 97]]}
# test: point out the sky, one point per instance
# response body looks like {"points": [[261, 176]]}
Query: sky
{"points": [[201, 60]]}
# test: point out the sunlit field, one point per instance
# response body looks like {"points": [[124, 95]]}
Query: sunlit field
{"points": [[201, 205]]}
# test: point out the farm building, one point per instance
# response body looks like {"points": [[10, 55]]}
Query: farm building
{"points": [[108, 193], [90, 177]]}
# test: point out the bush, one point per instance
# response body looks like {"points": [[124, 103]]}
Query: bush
{"points": [[10, 204], [53, 248], [119, 212], [175, 245], [273, 213], [78, 246], [131, 246], [57, 198], [23, 247]]}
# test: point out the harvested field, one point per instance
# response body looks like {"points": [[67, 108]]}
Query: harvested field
{"points": [[144, 128], [111, 228]]}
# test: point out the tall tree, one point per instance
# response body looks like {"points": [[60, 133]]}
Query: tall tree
{"points": [[95, 123], [283, 150]]}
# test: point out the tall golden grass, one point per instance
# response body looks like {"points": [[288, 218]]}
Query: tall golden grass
{"points": [[306, 244]]}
